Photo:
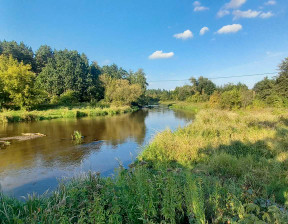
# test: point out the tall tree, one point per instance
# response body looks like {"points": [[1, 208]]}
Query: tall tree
{"points": [[120, 91], [42, 55], [95, 90], [281, 85], [264, 88], [68, 70], [203, 85], [17, 81], [138, 77], [114, 72], [20, 51]]}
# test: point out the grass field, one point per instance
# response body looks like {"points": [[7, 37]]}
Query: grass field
{"points": [[225, 167]]}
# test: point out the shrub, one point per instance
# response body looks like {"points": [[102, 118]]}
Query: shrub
{"points": [[69, 97]]}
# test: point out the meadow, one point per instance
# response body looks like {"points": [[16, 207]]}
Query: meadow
{"points": [[224, 167]]}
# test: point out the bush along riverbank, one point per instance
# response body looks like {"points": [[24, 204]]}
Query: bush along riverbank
{"points": [[64, 112], [225, 167]]}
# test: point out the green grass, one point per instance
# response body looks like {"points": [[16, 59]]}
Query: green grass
{"points": [[77, 137], [225, 167], [26, 116], [183, 105]]}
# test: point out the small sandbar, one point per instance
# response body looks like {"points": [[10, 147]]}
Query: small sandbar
{"points": [[23, 137]]}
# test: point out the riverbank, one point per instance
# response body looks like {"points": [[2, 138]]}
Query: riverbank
{"points": [[62, 112], [182, 105], [225, 167]]}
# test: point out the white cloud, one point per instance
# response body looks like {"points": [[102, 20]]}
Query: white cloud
{"points": [[198, 7], [234, 4], [185, 35], [266, 15], [271, 2], [196, 3], [245, 14], [160, 55], [222, 12], [204, 30], [251, 14], [234, 28]]}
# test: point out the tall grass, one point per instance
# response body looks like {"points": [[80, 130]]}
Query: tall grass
{"points": [[26, 116], [225, 167]]}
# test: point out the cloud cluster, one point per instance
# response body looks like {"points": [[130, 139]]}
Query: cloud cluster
{"points": [[234, 28], [234, 4], [251, 14], [185, 35], [198, 7], [265, 15], [161, 55], [231, 7], [271, 2]]}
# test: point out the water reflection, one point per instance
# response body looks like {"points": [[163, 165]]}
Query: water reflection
{"points": [[34, 165]]}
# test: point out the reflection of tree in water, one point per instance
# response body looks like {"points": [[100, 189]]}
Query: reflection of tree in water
{"points": [[182, 114], [57, 146]]}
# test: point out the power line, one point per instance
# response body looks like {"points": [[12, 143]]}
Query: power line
{"points": [[220, 77]]}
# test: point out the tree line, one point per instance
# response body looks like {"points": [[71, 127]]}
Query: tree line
{"points": [[268, 92], [62, 77]]}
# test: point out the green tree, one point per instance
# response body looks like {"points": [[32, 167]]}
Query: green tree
{"points": [[281, 85], [231, 86], [120, 91], [203, 85], [68, 70], [20, 52], [17, 81], [264, 88], [42, 55], [114, 72], [231, 99], [183, 92], [95, 91], [139, 78]]}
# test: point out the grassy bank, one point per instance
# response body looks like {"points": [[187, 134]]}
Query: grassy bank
{"points": [[225, 167], [182, 105], [64, 112]]}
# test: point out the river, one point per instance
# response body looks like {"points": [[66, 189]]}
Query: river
{"points": [[37, 165]]}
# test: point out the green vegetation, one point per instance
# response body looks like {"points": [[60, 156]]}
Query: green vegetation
{"points": [[65, 112], [225, 167], [49, 77], [77, 137], [229, 166], [266, 93]]}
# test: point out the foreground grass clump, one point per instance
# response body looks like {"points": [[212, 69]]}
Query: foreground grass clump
{"points": [[225, 167], [145, 194], [20, 116]]}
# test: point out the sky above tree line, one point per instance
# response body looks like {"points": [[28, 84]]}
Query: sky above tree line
{"points": [[170, 40]]}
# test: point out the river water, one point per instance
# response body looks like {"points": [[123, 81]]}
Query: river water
{"points": [[37, 165]]}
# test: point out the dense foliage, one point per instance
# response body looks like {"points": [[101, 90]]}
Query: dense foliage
{"points": [[268, 92], [62, 77]]}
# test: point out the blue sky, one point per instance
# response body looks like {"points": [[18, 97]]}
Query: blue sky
{"points": [[251, 38]]}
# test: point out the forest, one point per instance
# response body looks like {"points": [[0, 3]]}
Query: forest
{"points": [[46, 78], [29, 80]]}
